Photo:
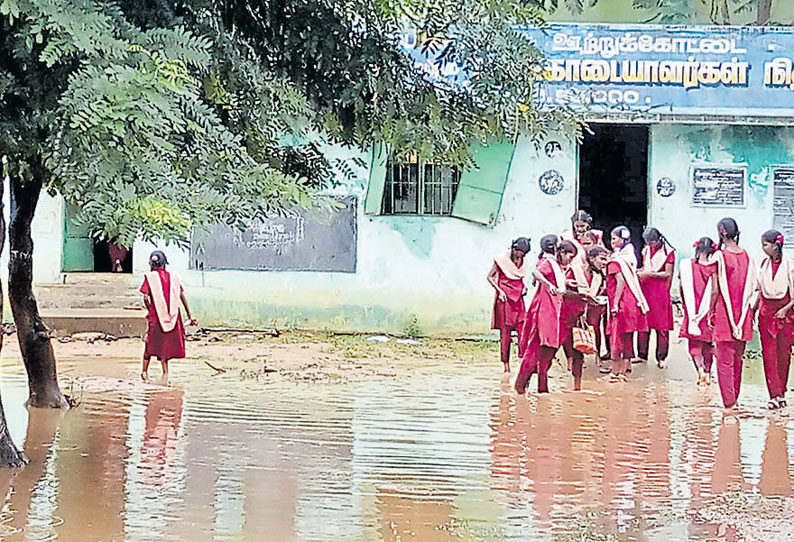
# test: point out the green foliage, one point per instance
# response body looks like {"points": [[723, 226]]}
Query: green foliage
{"points": [[411, 327], [158, 117]]}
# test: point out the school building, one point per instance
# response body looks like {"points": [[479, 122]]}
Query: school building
{"points": [[688, 124]]}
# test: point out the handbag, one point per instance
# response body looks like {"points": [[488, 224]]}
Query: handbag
{"points": [[584, 339]]}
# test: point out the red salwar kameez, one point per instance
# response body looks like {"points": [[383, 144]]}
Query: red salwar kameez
{"points": [[632, 307], [733, 320], [697, 283], [657, 294], [541, 337], [170, 344], [509, 315], [776, 281]]}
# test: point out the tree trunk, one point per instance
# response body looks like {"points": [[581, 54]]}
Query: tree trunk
{"points": [[764, 13], [10, 455], [33, 335]]}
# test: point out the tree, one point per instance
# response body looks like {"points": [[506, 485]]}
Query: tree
{"points": [[156, 117], [721, 12]]}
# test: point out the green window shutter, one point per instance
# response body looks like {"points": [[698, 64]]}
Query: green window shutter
{"points": [[479, 194], [377, 179]]}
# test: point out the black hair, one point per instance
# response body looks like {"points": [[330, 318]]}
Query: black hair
{"points": [[775, 237], [652, 234], [705, 245], [548, 244], [567, 246], [623, 232], [595, 252], [157, 260], [581, 216], [728, 229], [522, 244]]}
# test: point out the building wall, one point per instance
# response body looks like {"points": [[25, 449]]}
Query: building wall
{"points": [[435, 267], [674, 148], [432, 267]]}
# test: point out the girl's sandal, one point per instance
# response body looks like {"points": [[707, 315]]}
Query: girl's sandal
{"points": [[773, 405]]}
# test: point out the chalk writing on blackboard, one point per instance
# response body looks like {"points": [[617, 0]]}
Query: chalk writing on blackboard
{"points": [[718, 186], [783, 220], [294, 240]]}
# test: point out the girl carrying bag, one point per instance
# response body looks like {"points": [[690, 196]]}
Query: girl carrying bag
{"points": [[584, 338]]}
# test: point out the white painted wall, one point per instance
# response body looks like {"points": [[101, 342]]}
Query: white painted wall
{"points": [[433, 267]]}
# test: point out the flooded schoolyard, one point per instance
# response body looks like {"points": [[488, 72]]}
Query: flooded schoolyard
{"points": [[322, 438]]}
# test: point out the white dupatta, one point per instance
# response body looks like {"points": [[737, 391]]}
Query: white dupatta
{"points": [[782, 283], [696, 312], [509, 268], [559, 275], [627, 261], [656, 261], [590, 287], [750, 284], [167, 313]]}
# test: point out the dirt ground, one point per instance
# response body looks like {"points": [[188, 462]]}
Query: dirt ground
{"points": [[296, 356]]}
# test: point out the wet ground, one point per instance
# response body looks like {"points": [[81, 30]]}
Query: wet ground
{"points": [[319, 438]]}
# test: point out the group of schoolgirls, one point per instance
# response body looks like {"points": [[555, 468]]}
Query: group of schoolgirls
{"points": [[578, 282], [722, 290]]}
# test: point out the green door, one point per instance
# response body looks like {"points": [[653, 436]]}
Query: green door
{"points": [[78, 246]]}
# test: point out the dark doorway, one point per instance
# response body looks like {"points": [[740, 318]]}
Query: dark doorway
{"points": [[103, 258], [613, 177]]}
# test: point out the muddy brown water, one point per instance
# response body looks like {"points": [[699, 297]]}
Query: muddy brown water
{"points": [[442, 451]]}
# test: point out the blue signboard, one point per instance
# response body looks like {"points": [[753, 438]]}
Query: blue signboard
{"points": [[663, 70]]}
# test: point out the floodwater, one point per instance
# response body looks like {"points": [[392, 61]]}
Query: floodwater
{"points": [[442, 451]]}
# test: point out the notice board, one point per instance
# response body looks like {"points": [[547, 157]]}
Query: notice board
{"points": [[783, 221], [295, 240], [714, 186]]}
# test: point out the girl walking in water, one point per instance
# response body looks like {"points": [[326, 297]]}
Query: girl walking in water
{"points": [[697, 277], [627, 304], [656, 277], [541, 337], [775, 317], [733, 313], [162, 293], [507, 278]]}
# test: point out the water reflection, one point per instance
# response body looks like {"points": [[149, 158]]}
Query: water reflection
{"points": [[438, 454]]}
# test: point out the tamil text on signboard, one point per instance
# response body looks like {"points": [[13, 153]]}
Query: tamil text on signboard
{"points": [[718, 186]]}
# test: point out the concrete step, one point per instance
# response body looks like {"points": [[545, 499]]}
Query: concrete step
{"points": [[117, 322], [90, 291]]}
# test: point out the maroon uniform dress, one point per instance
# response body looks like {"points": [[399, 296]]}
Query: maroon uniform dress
{"points": [[159, 344], [629, 319], [660, 317], [570, 316], [541, 336], [729, 349], [508, 315], [700, 346], [777, 337]]}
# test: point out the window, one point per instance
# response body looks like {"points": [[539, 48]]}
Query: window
{"points": [[409, 187], [419, 188]]}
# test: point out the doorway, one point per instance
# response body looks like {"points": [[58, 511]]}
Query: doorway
{"points": [[82, 252], [613, 177]]}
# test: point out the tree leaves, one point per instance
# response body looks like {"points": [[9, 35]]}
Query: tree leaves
{"points": [[158, 117]]}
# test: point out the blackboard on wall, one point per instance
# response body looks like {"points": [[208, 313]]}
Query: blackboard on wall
{"points": [[297, 241], [714, 186], [783, 221]]}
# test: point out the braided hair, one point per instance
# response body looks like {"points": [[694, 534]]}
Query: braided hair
{"points": [[728, 229]]}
